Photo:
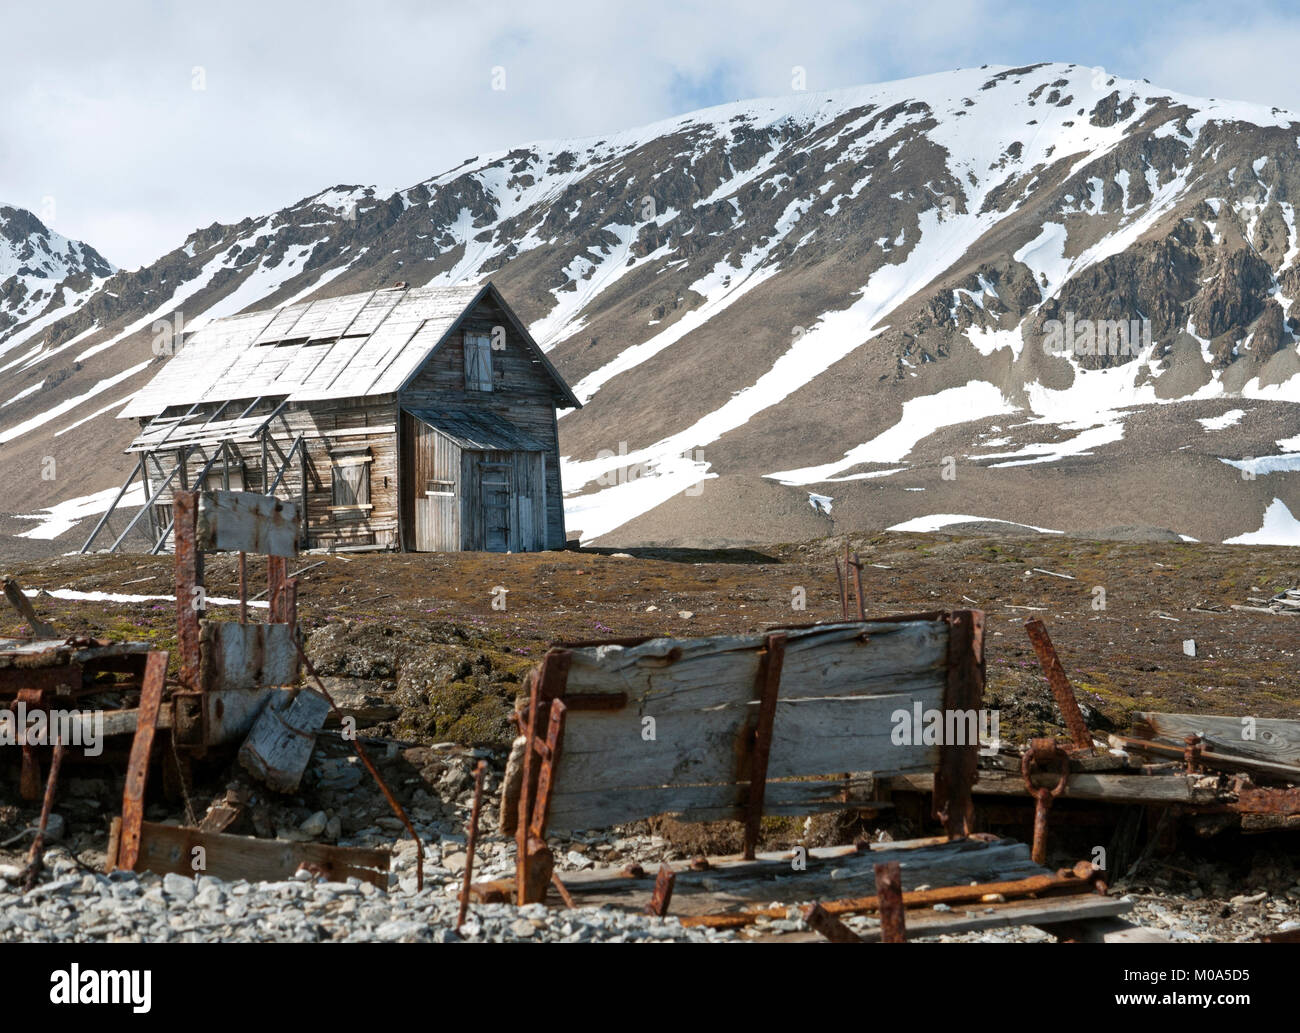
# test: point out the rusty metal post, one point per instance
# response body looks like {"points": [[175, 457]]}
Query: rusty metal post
{"points": [[1192, 753], [38, 843], [663, 894], [243, 587], [826, 924], [889, 900], [1062, 690], [769, 685], [844, 599], [189, 586], [29, 777], [277, 570], [857, 587], [471, 840], [137, 768], [1042, 753]]}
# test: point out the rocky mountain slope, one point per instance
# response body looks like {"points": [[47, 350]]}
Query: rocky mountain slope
{"points": [[875, 307]]}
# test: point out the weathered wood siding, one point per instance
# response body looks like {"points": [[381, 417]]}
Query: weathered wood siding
{"points": [[434, 520], [523, 393]]}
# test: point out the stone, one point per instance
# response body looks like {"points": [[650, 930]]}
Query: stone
{"points": [[314, 825], [179, 887]]}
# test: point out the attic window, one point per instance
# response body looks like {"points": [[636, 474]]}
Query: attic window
{"points": [[478, 362]]}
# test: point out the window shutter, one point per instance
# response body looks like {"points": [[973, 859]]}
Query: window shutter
{"points": [[478, 362]]}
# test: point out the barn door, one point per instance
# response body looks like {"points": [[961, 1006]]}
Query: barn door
{"points": [[494, 484]]}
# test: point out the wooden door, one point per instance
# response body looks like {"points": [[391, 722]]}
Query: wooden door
{"points": [[494, 485]]}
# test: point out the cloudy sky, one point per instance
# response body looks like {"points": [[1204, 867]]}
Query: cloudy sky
{"points": [[130, 124]]}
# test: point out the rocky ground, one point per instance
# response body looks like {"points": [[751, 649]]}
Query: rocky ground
{"points": [[412, 646]]}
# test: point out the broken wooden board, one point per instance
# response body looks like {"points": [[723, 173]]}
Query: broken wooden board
{"points": [[187, 851], [246, 656], [1274, 740], [733, 883], [1042, 913], [679, 742], [1111, 788], [279, 746], [243, 521]]}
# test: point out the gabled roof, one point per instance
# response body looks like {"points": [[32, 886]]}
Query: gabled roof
{"points": [[479, 431], [350, 347]]}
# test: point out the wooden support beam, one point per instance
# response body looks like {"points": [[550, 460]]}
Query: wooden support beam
{"points": [[769, 686], [959, 762]]}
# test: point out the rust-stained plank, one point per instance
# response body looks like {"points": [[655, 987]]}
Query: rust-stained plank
{"points": [[190, 851], [243, 521], [246, 656]]}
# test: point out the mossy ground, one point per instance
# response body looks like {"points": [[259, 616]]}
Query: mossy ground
{"points": [[428, 623]]}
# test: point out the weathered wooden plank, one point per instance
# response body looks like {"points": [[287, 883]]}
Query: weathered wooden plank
{"points": [[1273, 739], [599, 808], [246, 656], [279, 746], [188, 851], [242, 521]]}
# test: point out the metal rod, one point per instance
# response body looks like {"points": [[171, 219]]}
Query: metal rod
{"points": [[374, 772], [471, 839], [38, 844]]}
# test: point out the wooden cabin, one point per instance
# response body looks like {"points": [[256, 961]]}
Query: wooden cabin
{"points": [[420, 419]]}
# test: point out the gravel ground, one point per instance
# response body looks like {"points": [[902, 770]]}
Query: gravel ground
{"points": [[75, 905]]}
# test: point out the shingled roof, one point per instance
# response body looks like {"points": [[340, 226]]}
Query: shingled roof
{"points": [[354, 346]]}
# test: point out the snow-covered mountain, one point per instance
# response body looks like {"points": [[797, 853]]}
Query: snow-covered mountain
{"points": [[887, 297], [40, 270]]}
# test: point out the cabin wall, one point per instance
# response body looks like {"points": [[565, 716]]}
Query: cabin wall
{"points": [[328, 427], [523, 394]]}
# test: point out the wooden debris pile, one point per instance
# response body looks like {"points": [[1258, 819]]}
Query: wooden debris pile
{"points": [[1286, 603]]}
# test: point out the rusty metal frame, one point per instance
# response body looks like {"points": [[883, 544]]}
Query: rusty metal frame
{"points": [[533, 861], [137, 770]]}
